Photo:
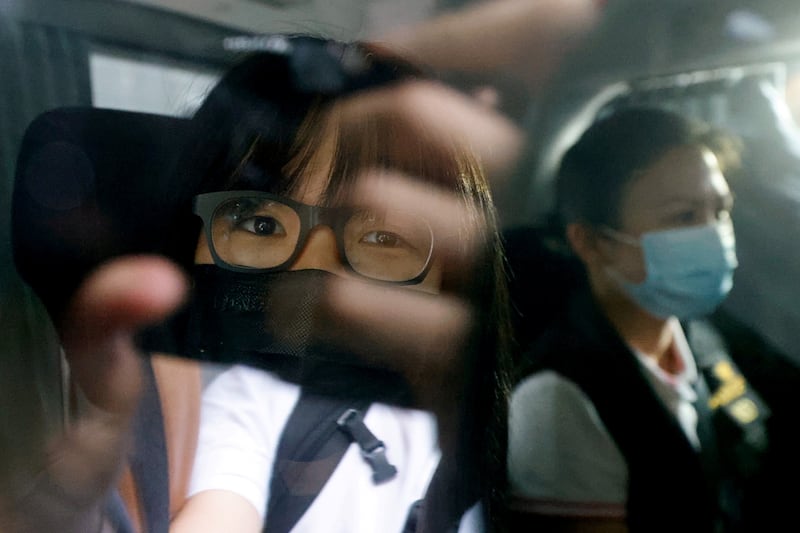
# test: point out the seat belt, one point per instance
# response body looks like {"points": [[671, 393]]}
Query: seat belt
{"points": [[316, 436], [148, 457], [116, 515]]}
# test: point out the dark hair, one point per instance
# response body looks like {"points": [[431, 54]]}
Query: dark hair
{"points": [[595, 171], [244, 133], [258, 130]]}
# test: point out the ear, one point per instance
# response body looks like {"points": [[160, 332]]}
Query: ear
{"points": [[583, 241]]}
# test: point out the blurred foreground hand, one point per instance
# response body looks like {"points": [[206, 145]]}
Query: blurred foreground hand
{"points": [[76, 471]]}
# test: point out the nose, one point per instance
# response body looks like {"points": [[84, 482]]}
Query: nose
{"points": [[320, 252]]}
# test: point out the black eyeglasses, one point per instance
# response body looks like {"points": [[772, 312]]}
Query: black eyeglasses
{"points": [[252, 231]]}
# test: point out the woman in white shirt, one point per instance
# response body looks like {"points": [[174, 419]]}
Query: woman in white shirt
{"points": [[285, 145]]}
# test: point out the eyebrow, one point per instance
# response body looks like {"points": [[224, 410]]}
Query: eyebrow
{"points": [[244, 207], [725, 199]]}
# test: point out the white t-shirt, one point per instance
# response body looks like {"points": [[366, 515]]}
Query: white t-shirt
{"points": [[243, 414], [562, 459]]}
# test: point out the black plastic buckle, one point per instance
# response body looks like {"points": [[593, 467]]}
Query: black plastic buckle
{"points": [[373, 450]]}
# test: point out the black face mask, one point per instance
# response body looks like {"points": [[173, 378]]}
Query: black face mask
{"points": [[269, 321]]}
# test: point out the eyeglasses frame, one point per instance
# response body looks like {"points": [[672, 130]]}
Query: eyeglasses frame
{"points": [[205, 206]]}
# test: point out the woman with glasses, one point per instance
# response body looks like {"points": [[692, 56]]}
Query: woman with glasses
{"points": [[296, 157]]}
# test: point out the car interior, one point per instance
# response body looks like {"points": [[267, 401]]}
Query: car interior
{"points": [[733, 63]]}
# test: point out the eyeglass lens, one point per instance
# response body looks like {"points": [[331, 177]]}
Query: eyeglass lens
{"points": [[263, 233]]}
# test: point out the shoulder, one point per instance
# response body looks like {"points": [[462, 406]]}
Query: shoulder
{"points": [[541, 402], [243, 406], [243, 413], [242, 383], [559, 449]]}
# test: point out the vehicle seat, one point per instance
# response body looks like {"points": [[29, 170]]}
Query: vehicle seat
{"points": [[541, 275], [91, 185]]}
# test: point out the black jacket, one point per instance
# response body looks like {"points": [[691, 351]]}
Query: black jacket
{"points": [[672, 487]]}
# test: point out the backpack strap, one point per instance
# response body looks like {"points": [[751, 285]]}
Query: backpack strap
{"points": [[412, 519], [316, 436], [373, 450]]}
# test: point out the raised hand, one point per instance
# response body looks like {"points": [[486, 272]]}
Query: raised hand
{"points": [[77, 469]]}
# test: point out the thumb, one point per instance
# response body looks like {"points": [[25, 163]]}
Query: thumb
{"points": [[97, 335], [97, 332]]}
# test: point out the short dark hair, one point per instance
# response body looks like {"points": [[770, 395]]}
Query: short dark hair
{"points": [[595, 170], [258, 129]]}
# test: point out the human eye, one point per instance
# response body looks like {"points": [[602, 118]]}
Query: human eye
{"points": [[386, 239], [387, 245], [259, 218], [261, 225], [385, 230], [685, 217]]}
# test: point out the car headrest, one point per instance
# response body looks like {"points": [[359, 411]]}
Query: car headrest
{"points": [[541, 278], [760, 114], [92, 184]]}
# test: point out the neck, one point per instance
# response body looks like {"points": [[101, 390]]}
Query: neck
{"points": [[644, 332]]}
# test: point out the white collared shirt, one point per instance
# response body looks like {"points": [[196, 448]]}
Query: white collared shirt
{"points": [[676, 391]]}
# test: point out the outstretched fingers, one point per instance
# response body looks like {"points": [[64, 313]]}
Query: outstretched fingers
{"points": [[97, 334], [77, 469], [421, 336]]}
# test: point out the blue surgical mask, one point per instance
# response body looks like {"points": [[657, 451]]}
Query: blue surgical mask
{"points": [[689, 271]]}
